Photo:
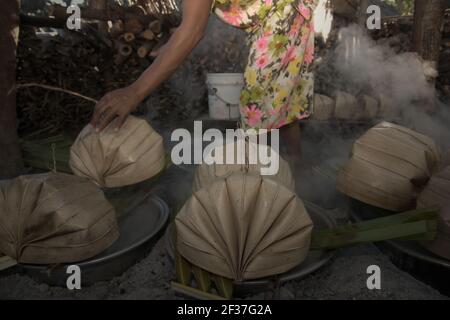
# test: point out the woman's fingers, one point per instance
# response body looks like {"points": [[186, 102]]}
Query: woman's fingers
{"points": [[100, 108], [116, 103], [106, 118], [120, 121], [96, 115]]}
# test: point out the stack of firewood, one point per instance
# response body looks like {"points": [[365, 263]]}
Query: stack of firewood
{"points": [[62, 74], [72, 62], [131, 32], [134, 38]]}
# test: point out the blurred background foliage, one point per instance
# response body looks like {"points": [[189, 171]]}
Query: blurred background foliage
{"points": [[405, 7]]}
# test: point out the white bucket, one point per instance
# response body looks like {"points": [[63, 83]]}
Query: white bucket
{"points": [[224, 92]]}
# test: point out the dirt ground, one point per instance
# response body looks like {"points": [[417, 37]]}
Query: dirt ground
{"points": [[343, 278]]}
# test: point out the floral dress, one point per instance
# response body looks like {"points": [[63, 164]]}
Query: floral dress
{"points": [[278, 83]]}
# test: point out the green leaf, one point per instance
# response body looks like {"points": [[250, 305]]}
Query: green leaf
{"points": [[48, 153], [6, 262], [202, 277], [224, 286], [194, 293], [395, 219], [417, 230], [183, 270]]}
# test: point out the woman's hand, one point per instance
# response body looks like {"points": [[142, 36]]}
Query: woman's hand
{"points": [[115, 104], [119, 103]]}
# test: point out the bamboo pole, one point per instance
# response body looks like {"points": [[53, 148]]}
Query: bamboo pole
{"points": [[428, 19], [11, 162]]}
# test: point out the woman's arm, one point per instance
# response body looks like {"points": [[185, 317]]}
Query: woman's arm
{"points": [[121, 102]]}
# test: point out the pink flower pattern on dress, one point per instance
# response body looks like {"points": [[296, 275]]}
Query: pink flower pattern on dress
{"points": [[253, 115], [233, 16], [304, 11], [296, 25], [262, 44], [309, 54], [289, 55], [279, 84], [262, 61]]}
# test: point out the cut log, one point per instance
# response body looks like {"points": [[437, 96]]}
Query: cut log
{"points": [[129, 37], [117, 29], [347, 107], [323, 108], [118, 13], [133, 26], [155, 26], [123, 52], [147, 34], [145, 49]]}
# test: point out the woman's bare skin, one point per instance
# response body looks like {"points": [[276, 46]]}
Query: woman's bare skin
{"points": [[119, 103]]}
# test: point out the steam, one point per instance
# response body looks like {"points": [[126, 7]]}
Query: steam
{"points": [[360, 65]]}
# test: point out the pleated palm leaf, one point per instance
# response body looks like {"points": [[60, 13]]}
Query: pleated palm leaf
{"points": [[389, 166], [437, 194], [54, 218], [113, 158]]}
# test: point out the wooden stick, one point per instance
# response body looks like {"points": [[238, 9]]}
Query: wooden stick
{"points": [[125, 50], [116, 29], [145, 49], [129, 37], [59, 12], [133, 26], [147, 35], [48, 87], [155, 26]]}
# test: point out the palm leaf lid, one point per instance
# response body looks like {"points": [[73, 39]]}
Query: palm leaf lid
{"points": [[437, 195], [244, 226], [114, 158], [54, 218], [389, 167], [206, 174]]}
